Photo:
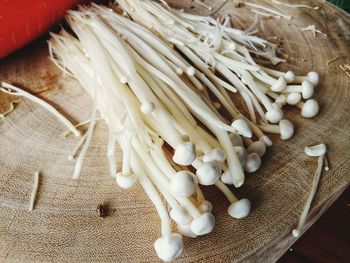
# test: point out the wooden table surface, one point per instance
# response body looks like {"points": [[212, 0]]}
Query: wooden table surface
{"points": [[64, 228]]}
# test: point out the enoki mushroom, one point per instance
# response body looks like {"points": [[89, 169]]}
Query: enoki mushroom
{"points": [[314, 151]]}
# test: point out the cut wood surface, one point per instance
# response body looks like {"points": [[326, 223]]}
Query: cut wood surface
{"points": [[63, 227]]}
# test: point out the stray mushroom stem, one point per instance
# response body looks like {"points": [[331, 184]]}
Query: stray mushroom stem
{"points": [[326, 163], [13, 90], [34, 191], [296, 232], [76, 148]]}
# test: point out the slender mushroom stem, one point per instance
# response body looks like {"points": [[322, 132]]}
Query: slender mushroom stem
{"points": [[270, 128], [34, 191], [67, 132], [296, 232], [2, 115], [111, 153], [81, 141], [13, 90], [152, 194], [326, 163]]}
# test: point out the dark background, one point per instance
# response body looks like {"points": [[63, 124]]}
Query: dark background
{"points": [[345, 4]]}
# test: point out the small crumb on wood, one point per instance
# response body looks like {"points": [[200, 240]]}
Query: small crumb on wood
{"points": [[303, 60], [34, 191], [102, 210]]}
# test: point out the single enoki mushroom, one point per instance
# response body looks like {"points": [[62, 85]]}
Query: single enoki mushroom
{"points": [[313, 151], [285, 128]]}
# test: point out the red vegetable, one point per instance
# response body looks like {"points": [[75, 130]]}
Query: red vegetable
{"points": [[21, 21]]}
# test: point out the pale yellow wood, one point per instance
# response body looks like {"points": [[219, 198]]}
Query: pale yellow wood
{"points": [[63, 226]]}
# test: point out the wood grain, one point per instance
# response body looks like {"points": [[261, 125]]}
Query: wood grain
{"points": [[63, 226]]}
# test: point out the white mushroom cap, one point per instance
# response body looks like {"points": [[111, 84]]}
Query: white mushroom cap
{"points": [[258, 147], [286, 129], [236, 139], [242, 128], [217, 155], [281, 100], [275, 114], [316, 150], [205, 207], [203, 224], [242, 154], [239, 209], [180, 215], [147, 107], [191, 71], [293, 98], [296, 233], [125, 181], [279, 85], [310, 109], [253, 163], [307, 89], [185, 230], [226, 177], [123, 79], [266, 140], [183, 184], [185, 153], [232, 46], [289, 76], [169, 247], [179, 71], [313, 77], [208, 173]]}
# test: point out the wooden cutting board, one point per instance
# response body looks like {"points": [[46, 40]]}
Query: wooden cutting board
{"points": [[63, 226]]}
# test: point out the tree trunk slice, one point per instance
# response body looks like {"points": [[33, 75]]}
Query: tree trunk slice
{"points": [[64, 227]]}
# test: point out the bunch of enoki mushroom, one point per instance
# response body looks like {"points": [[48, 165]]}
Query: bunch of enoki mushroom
{"points": [[166, 83]]}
